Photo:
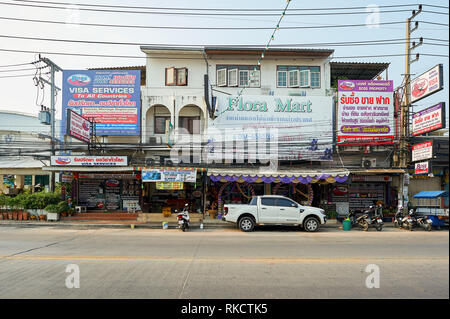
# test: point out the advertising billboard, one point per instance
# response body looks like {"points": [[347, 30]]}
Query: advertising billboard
{"points": [[422, 151], [422, 168], [78, 126], [365, 112], [110, 97], [428, 120], [427, 83], [89, 160], [303, 124], [169, 175]]}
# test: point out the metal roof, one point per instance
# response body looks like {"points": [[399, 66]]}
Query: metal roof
{"points": [[431, 194], [358, 70]]}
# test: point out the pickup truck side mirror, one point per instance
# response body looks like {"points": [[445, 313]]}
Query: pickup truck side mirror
{"points": [[294, 205]]}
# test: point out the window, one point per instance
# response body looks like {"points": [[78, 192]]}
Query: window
{"points": [[176, 76], [281, 78], [298, 76], [238, 75], [160, 124], [190, 123], [293, 78], [268, 201], [285, 203], [222, 77], [254, 201], [243, 78], [233, 77]]}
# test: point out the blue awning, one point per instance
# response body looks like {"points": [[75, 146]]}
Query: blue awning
{"points": [[431, 194]]}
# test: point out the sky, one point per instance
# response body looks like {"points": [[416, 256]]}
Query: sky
{"points": [[21, 95]]}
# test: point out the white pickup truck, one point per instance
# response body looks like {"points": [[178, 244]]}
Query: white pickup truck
{"points": [[273, 210]]}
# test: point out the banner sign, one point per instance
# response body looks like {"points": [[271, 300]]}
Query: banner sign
{"points": [[428, 120], [303, 121], [111, 97], [422, 168], [427, 83], [176, 174], [169, 185], [365, 112], [78, 126], [89, 161], [422, 151], [371, 178]]}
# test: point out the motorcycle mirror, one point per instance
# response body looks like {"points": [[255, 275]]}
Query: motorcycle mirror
{"points": [[186, 205]]}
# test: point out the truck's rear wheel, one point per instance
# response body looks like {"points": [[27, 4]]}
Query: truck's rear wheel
{"points": [[246, 224], [311, 224]]}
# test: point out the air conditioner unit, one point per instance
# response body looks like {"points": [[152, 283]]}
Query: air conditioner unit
{"points": [[369, 162], [155, 140]]}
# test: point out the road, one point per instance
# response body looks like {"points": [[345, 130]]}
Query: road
{"points": [[222, 263]]}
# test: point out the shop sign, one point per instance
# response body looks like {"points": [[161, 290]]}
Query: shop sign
{"points": [[66, 178], [169, 175], [111, 97], [422, 168], [422, 151], [305, 121], [131, 203], [89, 161], [365, 112], [428, 120], [427, 83], [371, 178], [78, 126], [105, 176], [169, 185]]}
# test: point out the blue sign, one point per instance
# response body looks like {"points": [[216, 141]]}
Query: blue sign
{"points": [[110, 97]]}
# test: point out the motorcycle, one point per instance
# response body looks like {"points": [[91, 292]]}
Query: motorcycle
{"points": [[360, 221], [376, 219], [183, 218], [412, 221], [398, 219]]}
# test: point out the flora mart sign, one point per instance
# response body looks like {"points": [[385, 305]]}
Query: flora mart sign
{"points": [[89, 161], [300, 126]]}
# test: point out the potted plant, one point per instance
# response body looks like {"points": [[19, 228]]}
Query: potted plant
{"points": [[63, 208], [52, 212]]}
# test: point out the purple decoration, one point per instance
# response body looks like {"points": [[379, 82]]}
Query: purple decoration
{"points": [[250, 179], [268, 179], [287, 179], [341, 179], [231, 178], [215, 178]]}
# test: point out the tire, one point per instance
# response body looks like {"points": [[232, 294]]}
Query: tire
{"points": [[428, 227], [364, 225], [183, 227], [311, 224], [246, 224], [396, 225], [410, 227], [379, 227]]}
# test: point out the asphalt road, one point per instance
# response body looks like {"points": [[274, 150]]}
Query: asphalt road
{"points": [[222, 263]]}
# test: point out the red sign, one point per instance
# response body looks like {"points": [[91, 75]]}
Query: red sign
{"points": [[422, 151], [421, 168], [78, 126]]}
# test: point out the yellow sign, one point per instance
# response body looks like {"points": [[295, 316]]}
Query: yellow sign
{"points": [[169, 185]]}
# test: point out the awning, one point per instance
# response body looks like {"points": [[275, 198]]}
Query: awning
{"points": [[255, 175], [88, 168], [431, 194], [378, 171]]}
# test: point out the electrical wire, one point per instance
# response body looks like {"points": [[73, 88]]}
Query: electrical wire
{"points": [[18, 76]]}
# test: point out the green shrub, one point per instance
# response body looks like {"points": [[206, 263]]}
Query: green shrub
{"points": [[52, 208], [63, 207]]}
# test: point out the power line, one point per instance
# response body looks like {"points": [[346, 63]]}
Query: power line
{"points": [[194, 13], [17, 76], [13, 65], [213, 9], [23, 69]]}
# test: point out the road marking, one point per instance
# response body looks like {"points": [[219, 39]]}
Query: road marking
{"points": [[251, 259]]}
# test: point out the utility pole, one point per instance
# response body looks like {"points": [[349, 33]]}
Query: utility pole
{"points": [[405, 105], [53, 68]]}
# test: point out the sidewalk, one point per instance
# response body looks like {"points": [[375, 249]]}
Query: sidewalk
{"points": [[207, 224]]}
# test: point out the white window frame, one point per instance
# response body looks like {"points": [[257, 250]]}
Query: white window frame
{"points": [[171, 72], [233, 77], [318, 72], [308, 77], [296, 75], [183, 81], [223, 73], [287, 79], [248, 78], [255, 81]]}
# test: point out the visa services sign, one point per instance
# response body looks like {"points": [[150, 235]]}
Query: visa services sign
{"points": [[89, 161], [110, 97]]}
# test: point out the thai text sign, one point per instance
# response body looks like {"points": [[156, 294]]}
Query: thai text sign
{"points": [[78, 126], [305, 122], [169, 185], [427, 83], [428, 120], [110, 97], [365, 112], [176, 174], [422, 168], [89, 161], [422, 151]]}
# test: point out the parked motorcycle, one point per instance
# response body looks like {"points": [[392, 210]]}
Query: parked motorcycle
{"points": [[398, 219], [413, 221], [183, 218], [376, 218], [360, 221]]}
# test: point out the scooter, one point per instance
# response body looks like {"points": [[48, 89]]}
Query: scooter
{"points": [[398, 219], [183, 218], [360, 221], [413, 221], [377, 217]]}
